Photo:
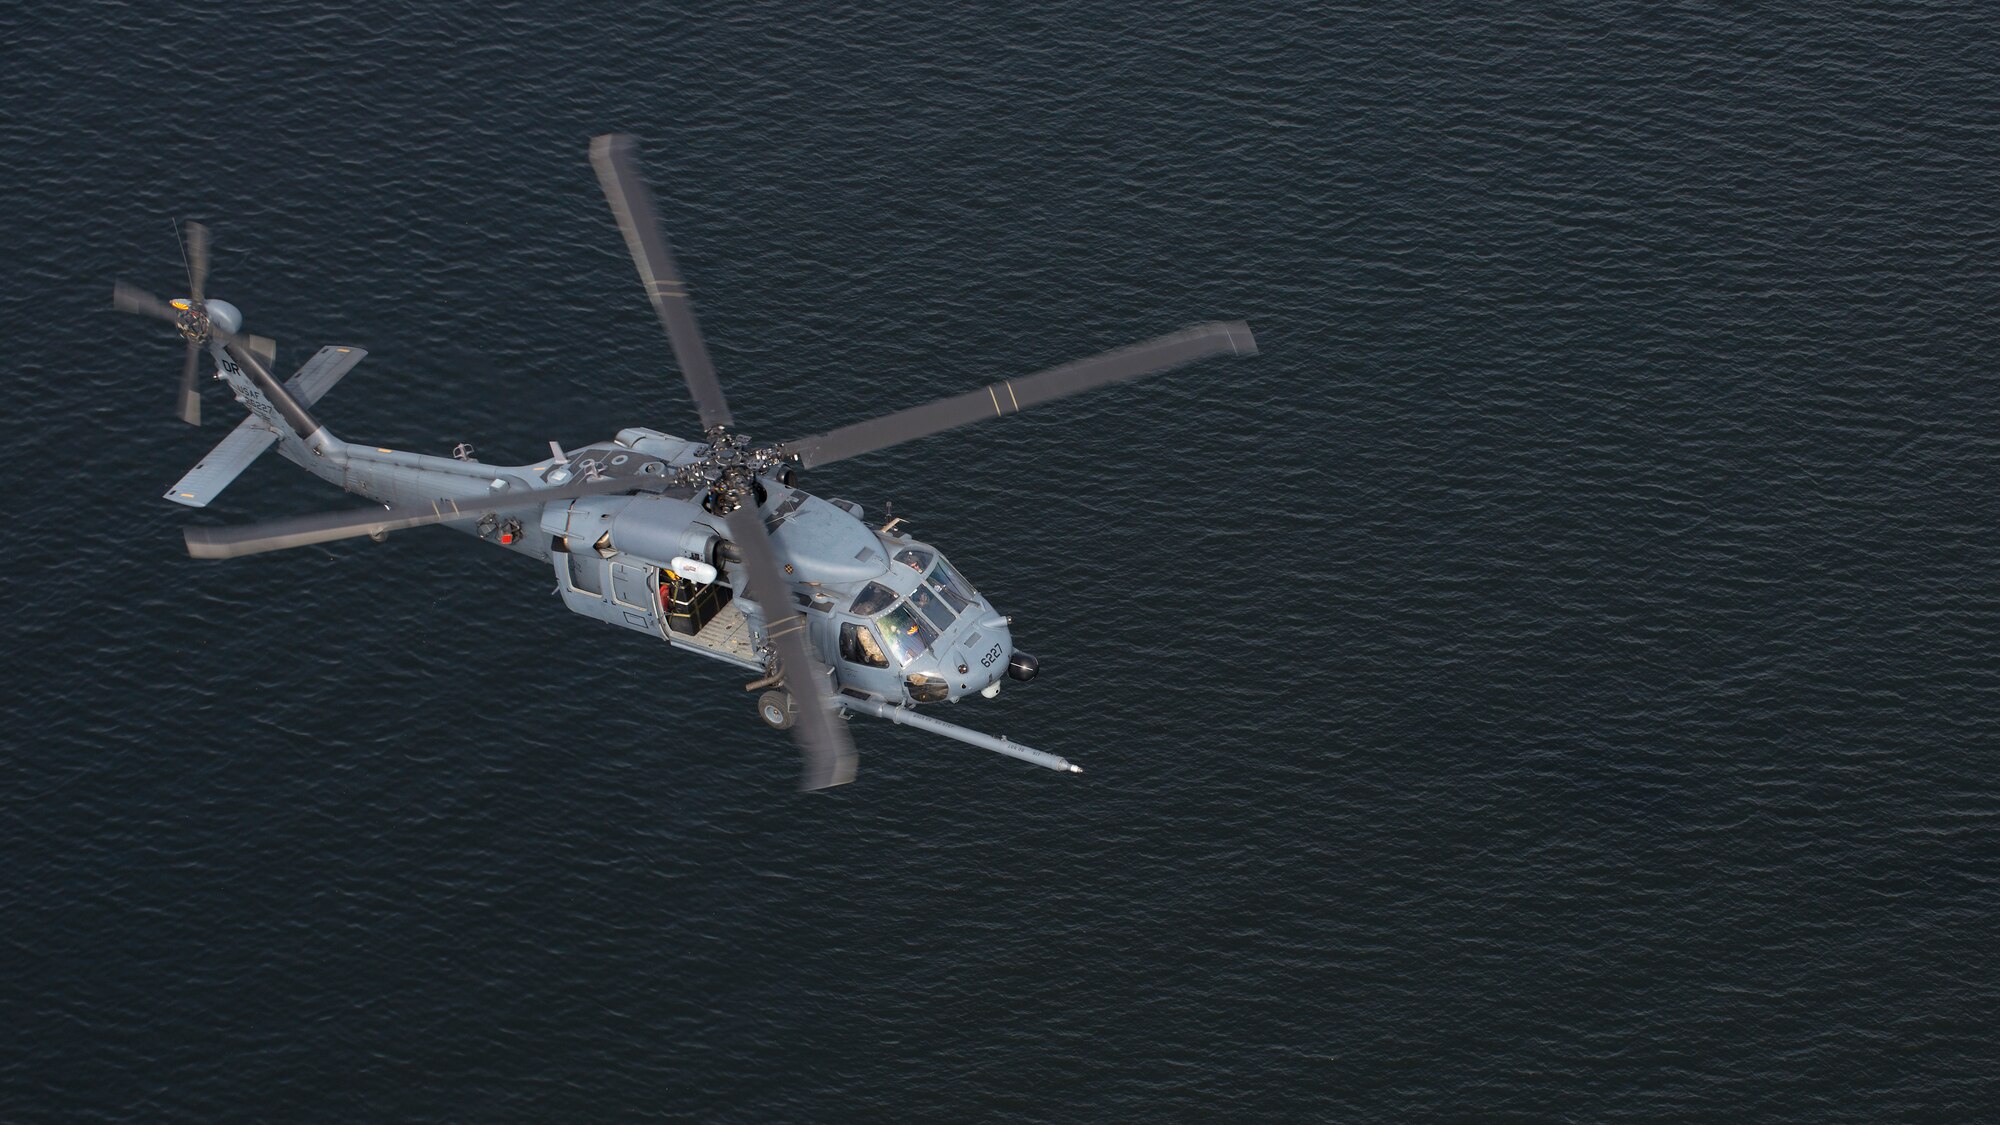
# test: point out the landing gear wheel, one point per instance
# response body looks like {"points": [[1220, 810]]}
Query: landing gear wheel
{"points": [[775, 708]]}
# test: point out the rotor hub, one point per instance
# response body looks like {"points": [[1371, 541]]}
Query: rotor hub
{"points": [[727, 468], [192, 320]]}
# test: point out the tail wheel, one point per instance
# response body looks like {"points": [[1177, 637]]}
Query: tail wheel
{"points": [[775, 708]]}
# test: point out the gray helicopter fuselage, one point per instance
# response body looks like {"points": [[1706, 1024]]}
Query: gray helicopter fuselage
{"points": [[665, 536], [852, 583], [893, 617]]}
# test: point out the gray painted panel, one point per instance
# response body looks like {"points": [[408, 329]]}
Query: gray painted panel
{"points": [[631, 585], [322, 371], [223, 464], [657, 528], [586, 572]]}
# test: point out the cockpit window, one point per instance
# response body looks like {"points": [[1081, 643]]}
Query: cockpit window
{"points": [[873, 599], [916, 558], [954, 587], [909, 635], [858, 645], [933, 607]]}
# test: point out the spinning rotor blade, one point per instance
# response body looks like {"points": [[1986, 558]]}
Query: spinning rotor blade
{"points": [[1015, 395], [325, 527], [197, 252], [821, 736], [632, 205], [132, 299], [190, 401]]}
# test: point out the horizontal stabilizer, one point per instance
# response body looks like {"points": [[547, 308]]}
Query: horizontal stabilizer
{"points": [[230, 457], [322, 371], [252, 437]]}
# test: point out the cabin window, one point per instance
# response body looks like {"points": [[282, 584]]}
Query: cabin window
{"points": [[859, 646], [909, 635], [916, 558]]}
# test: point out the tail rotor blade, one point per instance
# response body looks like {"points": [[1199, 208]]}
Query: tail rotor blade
{"points": [[632, 205], [821, 736], [264, 348], [1015, 395], [197, 250], [191, 401], [132, 299]]}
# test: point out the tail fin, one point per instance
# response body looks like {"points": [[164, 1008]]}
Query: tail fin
{"points": [[253, 435]]}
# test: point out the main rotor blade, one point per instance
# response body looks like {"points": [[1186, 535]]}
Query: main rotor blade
{"points": [[190, 401], [132, 299], [820, 734], [325, 527], [1012, 396], [197, 250], [632, 205]]}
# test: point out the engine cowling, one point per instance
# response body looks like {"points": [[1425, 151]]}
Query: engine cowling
{"points": [[660, 528]]}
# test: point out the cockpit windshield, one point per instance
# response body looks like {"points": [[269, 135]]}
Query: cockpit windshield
{"points": [[934, 607], [911, 626], [954, 588], [908, 634], [873, 599]]}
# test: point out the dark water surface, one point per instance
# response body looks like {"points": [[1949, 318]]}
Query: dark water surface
{"points": [[1554, 681]]}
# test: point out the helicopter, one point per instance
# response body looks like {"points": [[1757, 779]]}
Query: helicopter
{"points": [[709, 545]]}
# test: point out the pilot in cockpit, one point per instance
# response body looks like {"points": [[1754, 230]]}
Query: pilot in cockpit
{"points": [[859, 646], [871, 652], [931, 606]]}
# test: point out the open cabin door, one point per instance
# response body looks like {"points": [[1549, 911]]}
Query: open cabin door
{"points": [[689, 605]]}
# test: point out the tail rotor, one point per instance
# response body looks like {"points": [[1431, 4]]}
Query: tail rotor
{"points": [[193, 322], [190, 316]]}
